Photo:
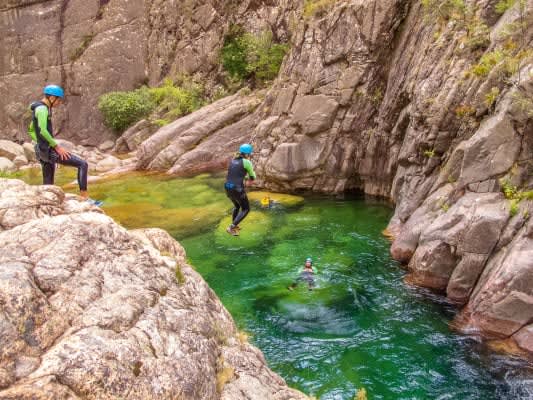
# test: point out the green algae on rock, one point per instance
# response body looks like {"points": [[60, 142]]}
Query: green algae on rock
{"points": [[255, 229]]}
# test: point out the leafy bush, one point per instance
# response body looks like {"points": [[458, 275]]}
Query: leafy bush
{"points": [[445, 9], [175, 101], [313, 8], [122, 109], [465, 111], [487, 62], [246, 56], [429, 153], [503, 5], [490, 98]]}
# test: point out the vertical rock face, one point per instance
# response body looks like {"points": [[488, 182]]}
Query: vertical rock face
{"points": [[90, 310], [96, 46], [374, 96], [88, 47]]}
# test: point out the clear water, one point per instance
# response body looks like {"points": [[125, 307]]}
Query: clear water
{"points": [[361, 327]]}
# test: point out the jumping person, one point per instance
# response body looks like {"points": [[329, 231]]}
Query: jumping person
{"points": [[239, 169], [307, 275], [48, 152]]}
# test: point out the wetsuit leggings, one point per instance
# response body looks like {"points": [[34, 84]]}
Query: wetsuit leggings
{"points": [[241, 205], [49, 169]]}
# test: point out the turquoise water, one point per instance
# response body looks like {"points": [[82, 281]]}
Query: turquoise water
{"points": [[361, 327]]}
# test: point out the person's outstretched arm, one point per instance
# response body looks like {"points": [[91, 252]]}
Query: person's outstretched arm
{"points": [[247, 164]]}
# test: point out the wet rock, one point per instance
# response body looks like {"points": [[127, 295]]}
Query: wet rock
{"points": [[524, 338], [502, 301]]}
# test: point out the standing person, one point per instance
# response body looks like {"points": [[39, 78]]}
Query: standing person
{"points": [[307, 275], [239, 169], [46, 148]]}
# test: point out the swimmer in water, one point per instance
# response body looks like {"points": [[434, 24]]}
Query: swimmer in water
{"points": [[307, 275]]}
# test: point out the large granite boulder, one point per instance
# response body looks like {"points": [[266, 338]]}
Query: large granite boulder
{"points": [[10, 150], [211, 134], [90, 310]]}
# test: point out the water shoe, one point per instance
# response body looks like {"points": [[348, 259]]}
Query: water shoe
{"points": [[97, 203], [232, 231]]}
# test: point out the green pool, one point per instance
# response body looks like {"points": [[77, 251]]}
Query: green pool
{"points": [[361, 327]]}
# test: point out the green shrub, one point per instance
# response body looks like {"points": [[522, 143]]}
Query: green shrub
{"points": [[175, 101], [503, 5], [246, 56], [487, 62], [510, 192], [429, 153], [465, 111], [478, 35], [490, 98], [78, 52], [122, 109], [513, 207], [313, 8], [528, 195]]}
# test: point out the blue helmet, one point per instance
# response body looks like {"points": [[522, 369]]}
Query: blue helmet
{"points": [[246, 149], [54, 90], [309, 260]]}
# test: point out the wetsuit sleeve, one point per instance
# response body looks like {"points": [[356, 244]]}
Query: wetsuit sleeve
{"points": [[42, 119], [247, 164], [31, 132]]}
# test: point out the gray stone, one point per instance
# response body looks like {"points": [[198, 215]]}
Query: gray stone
{"points": [[104, 313], [19, 161], [107, 145], [134, 136], [314, 114], [465, 276], [10, 150], [107, 164], [524, 338], [6, 165], [432, 264], [29, 152]]}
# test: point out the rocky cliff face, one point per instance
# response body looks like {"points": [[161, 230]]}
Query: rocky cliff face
{"points": [[428, 106], [386, 98], [96, 46], [90, 310]]}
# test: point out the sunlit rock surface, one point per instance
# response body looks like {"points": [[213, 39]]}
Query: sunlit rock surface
{"points": [[90, 310]]}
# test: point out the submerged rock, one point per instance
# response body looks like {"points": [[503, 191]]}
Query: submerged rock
{"points": [[92, 310], [255, 229]]}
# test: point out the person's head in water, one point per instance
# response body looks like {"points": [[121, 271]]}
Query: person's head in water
{"points": [[246, 150], [309, 263]]}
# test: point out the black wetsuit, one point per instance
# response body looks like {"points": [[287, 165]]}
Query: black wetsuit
{"points": [[308, 276], [48, 157], [238, 168]]}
